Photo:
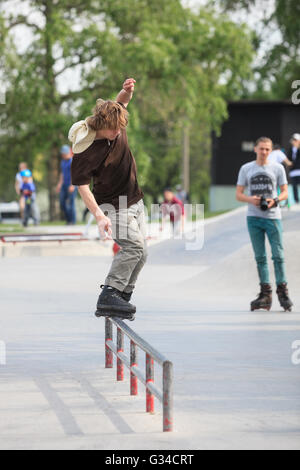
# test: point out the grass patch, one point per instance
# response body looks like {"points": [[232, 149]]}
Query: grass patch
{"points": [[209, 214], [7, 228], [56, 223], [18, 228]]}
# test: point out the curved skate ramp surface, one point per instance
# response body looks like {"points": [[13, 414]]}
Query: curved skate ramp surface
{"points": [[223, 236]]}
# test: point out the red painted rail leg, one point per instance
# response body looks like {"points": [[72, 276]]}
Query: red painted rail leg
{"points": [[109, 356], [120, 347], [149, 379], [133, 362], [167, 397]]}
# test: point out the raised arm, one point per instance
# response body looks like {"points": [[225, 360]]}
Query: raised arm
{"points": [[126, 93]]}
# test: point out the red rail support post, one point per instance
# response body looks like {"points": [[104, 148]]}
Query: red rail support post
{"points": [[149, 379], [167, 396], [133, 363], [109, 355], [120, 348]]}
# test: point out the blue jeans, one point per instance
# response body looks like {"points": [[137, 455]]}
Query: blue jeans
{"points": [[258, 229], [296, 183], [67, 204], [31, 210]]}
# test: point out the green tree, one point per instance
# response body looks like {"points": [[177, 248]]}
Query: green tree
{"points": [[280, 65], [36, 117], [186, 65]]}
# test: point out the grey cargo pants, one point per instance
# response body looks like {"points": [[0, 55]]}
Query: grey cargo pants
{"points": [[129, 231]]}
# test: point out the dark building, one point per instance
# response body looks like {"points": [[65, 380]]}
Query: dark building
{"points": [[247, 121]]}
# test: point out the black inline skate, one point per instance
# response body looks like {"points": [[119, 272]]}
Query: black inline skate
{"points": [[127, 296], [283, 297], [264, 299], [112, 304]]}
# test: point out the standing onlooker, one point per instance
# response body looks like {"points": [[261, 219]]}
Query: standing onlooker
{"points": [[278, 156], [65, 188], [262, 179], [294, 157], [173, 207], [28, 191], [18, 184]]}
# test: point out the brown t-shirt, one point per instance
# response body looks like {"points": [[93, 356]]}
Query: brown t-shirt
{"points": [[112, 167]]}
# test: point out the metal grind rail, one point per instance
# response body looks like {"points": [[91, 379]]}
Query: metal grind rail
{"points": [[42, 237], [166, 396]]}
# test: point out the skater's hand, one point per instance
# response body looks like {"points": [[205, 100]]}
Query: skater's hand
{"points": [[71, 189], [104, 227], [128, 85], [255, 200]]}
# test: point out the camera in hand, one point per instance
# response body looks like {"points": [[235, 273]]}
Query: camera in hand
{"points": [[264, 204]]}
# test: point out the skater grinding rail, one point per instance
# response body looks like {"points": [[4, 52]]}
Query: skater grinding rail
{"points": [[102, 154], [262, 179]]}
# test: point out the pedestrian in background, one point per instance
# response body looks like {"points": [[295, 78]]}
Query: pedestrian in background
{"points": [[294, 157], [278, 156], [18, 184], [66, 190], [174, 208], [28, 192]]}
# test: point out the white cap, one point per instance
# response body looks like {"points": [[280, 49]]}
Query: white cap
{"points": [[81, 136], [296, 136]]}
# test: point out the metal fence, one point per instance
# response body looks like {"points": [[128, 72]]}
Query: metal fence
{"points": [[166, 396]]}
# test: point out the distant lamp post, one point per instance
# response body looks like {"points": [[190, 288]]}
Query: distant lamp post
{"points": [[186, 158]]}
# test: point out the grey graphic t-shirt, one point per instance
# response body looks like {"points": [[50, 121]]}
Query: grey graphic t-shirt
{"points": [[262, 181]]}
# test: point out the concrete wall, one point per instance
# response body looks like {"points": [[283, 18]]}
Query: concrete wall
{"points": [[223, 198]]}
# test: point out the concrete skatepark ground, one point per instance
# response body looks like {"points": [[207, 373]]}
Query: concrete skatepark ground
{"points": [[235, 384]]}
